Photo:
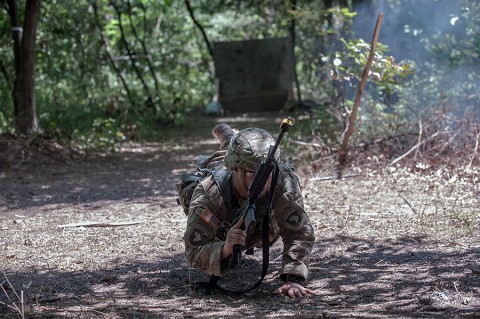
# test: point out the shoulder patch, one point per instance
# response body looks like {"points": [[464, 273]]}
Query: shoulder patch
{"points": [[208, 217], [198, 236]]}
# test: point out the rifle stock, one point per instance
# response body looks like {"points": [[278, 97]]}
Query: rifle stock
{"points": [[259, 181]]}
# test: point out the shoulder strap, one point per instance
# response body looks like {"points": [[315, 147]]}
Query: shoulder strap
{"points": [[222, 179]]}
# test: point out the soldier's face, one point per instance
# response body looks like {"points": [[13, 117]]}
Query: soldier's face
{"points": [[243, 180]]}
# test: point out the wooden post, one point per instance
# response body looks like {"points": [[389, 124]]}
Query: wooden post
{"points": [[342, 153]]}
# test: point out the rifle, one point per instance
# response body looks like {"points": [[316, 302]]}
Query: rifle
{"points": [[259, 181]]}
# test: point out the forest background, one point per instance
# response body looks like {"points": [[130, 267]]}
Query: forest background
{"points": [[103, 105], [105, 72]]}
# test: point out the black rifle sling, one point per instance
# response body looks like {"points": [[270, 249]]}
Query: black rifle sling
{"points": [[212, 284]]}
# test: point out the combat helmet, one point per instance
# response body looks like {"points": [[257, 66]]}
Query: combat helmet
{"points": [[248, 148]]}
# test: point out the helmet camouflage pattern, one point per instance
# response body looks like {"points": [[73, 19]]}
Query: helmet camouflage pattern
{"points": [[248, 148]]}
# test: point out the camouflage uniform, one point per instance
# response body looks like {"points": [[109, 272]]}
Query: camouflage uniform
{"points": [[213, 209]]}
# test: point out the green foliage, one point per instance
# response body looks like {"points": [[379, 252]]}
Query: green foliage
{"points": [[380, 114], [76, 78], [105, 135], [455, 55], [463, 46], [4, 124], [106, 71], [331, 63]]}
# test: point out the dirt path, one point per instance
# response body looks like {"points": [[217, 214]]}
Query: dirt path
{"points": [[391, 242]]}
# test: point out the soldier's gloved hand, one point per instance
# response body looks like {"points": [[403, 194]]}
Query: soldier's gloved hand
{"points": [[235, 236], [294, 290]]}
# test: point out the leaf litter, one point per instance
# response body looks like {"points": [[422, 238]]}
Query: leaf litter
{"points": [[393, 241]]}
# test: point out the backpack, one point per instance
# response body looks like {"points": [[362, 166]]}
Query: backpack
{"points": [[187, 183]]}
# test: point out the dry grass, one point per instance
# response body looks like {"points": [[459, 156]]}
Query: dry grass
{"points": [[15, 302]]}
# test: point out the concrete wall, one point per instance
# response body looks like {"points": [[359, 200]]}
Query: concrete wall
{"points": [[253, 75]]}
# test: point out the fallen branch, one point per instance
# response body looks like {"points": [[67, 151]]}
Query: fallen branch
{"points": [[383, 139], [327, 178], [314, 145], [99, 224], [474, 152], [449, 141], [413, 148]]}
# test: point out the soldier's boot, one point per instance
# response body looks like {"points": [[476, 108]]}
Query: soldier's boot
{"points": [[223, 133]]}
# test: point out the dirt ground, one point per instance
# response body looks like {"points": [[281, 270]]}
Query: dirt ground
{"points": [[392, 241]]}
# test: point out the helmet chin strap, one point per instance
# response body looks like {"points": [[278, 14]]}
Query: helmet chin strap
{"points": [[240, 183]]}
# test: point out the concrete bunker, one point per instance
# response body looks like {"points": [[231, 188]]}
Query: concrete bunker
{"points": [[253, 75]]}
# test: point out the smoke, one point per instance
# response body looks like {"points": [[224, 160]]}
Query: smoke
{"points": [[411, 28], [407, 25]]}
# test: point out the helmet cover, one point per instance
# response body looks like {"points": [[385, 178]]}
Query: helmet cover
{"points": [[248, 148]]}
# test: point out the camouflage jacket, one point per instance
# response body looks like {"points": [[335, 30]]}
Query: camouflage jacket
{"points": [[212, 211]]}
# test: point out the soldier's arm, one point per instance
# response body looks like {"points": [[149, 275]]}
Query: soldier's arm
{"points": [[298, 239], [202, 249], [296, 231]]}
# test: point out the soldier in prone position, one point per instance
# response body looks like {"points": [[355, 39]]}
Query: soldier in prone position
{"points": [[213, 227]]}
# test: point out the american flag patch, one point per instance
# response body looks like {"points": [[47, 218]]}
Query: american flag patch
{"points": [[209, 218]]}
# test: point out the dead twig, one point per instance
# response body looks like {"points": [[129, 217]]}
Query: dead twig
{"points": [[347, 217], [413, 148], [99, 224], [383, 140], [474, 152], [420, 131], [314, 145], [327, 178], [449, 141], [408, 203], [18, 308]]}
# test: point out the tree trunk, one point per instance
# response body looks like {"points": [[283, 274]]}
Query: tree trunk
{"points": [[26, 121], [293, 7]]}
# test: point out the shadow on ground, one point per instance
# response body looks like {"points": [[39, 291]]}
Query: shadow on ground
{"points": [[140, 271], [388, 279], [140, 172]]}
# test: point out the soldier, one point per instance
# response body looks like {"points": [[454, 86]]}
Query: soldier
{"points": [[212, 229]]}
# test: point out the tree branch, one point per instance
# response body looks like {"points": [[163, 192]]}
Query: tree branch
{"points": [[190, 11], [131, 54], [110, 55]]}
